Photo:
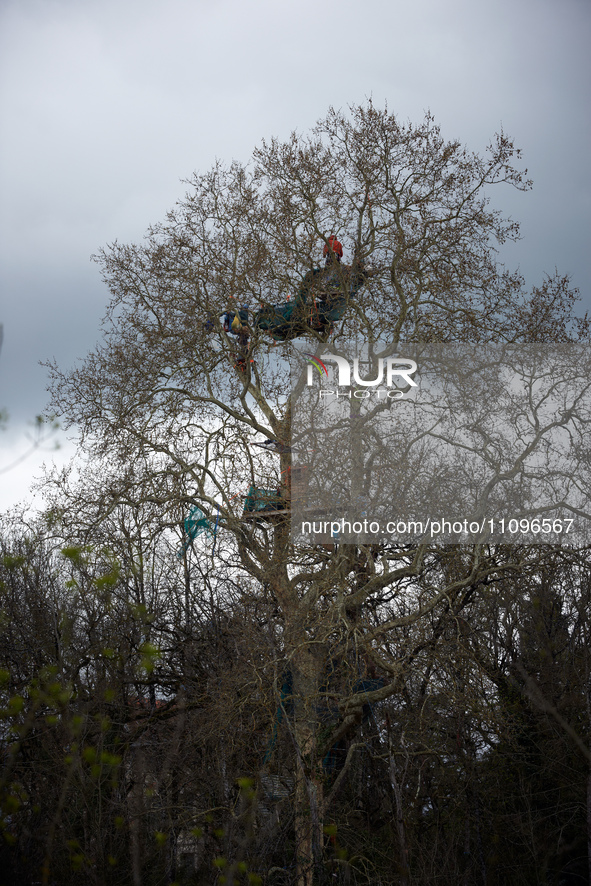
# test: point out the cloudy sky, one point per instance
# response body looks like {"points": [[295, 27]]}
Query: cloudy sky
{"points": [[106, 106]]}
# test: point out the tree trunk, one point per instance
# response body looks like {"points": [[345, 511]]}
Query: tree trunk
{"points": [[308, 825], [308, 664], [400, 827], [136, 812]]}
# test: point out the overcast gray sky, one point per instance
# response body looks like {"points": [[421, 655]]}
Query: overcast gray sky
{"points": [[105, 106]]}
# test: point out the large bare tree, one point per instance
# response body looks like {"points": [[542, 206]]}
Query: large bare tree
{"points": [[193, 371]]}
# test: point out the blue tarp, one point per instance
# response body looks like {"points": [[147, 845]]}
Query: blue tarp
{"points": [[194, 525]]}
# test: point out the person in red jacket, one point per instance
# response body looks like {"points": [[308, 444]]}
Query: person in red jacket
{"points": [[332, 250]]}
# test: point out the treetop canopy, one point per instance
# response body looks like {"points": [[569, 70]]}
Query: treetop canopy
{"points": [[412, 213]]}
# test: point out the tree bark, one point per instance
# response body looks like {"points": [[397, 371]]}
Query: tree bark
{"points": [[400, 827], [307, 663]]}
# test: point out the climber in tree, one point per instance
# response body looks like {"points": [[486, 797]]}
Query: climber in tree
{"points": [[237, 324], [319, 303], [333, 250]]}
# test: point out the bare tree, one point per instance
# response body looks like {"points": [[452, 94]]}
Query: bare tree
{"points": [[193, 368]]}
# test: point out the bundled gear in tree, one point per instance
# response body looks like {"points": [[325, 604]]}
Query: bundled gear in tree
{"points": [[321, 300]]}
